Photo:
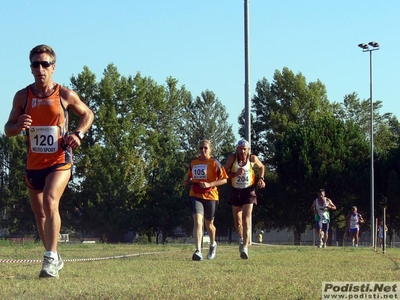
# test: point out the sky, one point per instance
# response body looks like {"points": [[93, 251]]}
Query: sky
{"points": [[201, 44]]}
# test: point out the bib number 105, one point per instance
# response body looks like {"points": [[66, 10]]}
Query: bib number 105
{"points": [[199, 172]]}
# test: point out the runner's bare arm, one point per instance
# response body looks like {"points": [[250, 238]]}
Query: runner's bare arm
{"points": [[17, 120], [73, 102], [228, 165], [260, 165], [331, 205]]}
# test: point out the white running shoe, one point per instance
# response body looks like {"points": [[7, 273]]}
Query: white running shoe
{"points": [[241, 245], [50, 267], [212, 252], [60, 263], [245, 253], [197, 256]]}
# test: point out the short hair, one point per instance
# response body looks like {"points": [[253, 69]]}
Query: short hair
{"points": [[321, 191], [208, 142], [243, 143], [43, 49]]}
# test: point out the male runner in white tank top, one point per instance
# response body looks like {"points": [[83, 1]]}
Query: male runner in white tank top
{"points": [[320, 208]]}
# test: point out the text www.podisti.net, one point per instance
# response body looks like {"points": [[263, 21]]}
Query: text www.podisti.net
{"points": [[360, 290]]}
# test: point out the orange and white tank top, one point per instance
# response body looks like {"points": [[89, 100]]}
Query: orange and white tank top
{"points": [[45, 135], [247, 179]]}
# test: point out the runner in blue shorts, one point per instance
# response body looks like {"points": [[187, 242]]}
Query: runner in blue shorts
{"points": [[321, 207], [353, 221]]}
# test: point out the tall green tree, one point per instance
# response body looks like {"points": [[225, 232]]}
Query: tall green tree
{"points": [[287, 101], [385, 125], [131, 175], [72, 205], [276, 107], [16, 213], [164, 207], [206, 118], [326, 153], [387, 170], [386, 142], [112, 177]]}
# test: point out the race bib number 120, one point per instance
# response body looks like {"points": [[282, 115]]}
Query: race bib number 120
{"points": [[43, 139]]}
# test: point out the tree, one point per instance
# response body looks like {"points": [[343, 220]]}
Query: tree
{"points": [[386, 142], [131, 175], [325, 153], [386, 126], [387, 182], [112, 169], [206, 118], [164, 207], [287, 101], [16, 213]]}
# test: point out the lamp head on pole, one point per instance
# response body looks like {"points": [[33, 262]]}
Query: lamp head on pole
{"points": [[373, 44]]}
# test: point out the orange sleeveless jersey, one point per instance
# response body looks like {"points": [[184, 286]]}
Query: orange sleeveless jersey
{"points": [[206, 171], [45, 135]]}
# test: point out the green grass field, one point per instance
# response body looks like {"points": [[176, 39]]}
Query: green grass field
{"points": [[130, 271]]}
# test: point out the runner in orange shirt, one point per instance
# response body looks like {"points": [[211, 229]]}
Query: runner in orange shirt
{"points": [[41, 110], [205, 173]]}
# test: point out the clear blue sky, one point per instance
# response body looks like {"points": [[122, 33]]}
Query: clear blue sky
{"points": [[201, 44]]}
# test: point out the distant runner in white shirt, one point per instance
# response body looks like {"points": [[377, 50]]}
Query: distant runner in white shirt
{"points": [[320, 208], [353, 221]]}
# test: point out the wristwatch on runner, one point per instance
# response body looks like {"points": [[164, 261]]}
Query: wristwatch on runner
{"points": [[79, 134]]}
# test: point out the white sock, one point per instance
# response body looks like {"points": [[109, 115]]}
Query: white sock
{"points": [[52, 255]]}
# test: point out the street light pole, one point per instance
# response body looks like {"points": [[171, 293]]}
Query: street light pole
{"points": [[372, 46], [247, 102]]}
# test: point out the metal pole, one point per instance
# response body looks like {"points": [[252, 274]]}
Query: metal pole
{"points": [[372, 46], [247, 105], [384, 230], [372, 152], [376, 231]]}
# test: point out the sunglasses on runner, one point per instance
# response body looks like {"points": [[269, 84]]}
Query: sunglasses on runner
{"points": [[44, 64], [201, 148]]}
